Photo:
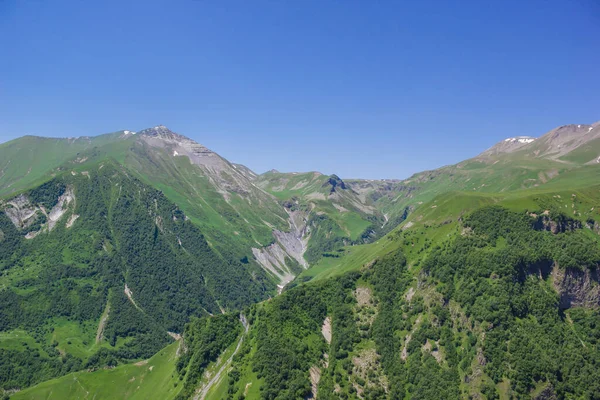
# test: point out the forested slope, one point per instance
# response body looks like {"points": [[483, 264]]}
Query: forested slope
{"points": [[97, 267], [489, 314]]}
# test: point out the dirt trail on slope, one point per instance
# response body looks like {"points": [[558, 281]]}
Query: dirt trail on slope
{"points": [[202, 394]]}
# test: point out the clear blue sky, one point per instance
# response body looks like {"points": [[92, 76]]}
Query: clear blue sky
{"points": [[370, 89]]}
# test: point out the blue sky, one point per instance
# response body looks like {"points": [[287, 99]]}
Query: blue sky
{"points": [[369, 89]]}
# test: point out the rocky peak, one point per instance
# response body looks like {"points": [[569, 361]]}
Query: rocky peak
{"points": [[335, 182], [162, 131], [508, 145], [565, 139]]}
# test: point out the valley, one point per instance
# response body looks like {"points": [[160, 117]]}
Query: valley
{"points": [[144, 265]]}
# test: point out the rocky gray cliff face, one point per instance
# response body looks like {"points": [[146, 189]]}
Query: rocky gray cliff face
{"points": [[557, 225], [225, 176], [24, 214], [576, 288], [287, 246]]}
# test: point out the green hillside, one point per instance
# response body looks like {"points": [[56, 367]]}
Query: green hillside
{"points": [[152, 378], [476, 280], [31, 159], [97, 268], [441, 330]]}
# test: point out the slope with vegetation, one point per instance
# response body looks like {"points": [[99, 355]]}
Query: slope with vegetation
{"points": [[334, 214], [97, 268], [486, 285]]}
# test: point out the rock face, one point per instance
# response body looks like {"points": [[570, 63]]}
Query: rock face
{"points": [[287, 245], [576, 288], [228, 178], [335, 182], [560, 225], [60, 208], [23, 213]]}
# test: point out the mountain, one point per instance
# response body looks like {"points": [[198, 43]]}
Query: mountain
{"points": [[475, 280], [236, 216], [508, 145], [515, 163], [110, 242]]}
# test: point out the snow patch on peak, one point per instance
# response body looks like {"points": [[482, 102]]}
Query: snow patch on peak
{"points": [[520, 139], [129, 132]]}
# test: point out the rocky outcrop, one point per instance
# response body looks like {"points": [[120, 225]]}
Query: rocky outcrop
{"points": [[287, 246], [335, 182], [546, 393], [24, 214], [556, 225], [21, 212], [226, 177], [576, 288], [60, 208]]}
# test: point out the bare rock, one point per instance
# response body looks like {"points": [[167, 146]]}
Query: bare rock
{"points": [[576, 288]]}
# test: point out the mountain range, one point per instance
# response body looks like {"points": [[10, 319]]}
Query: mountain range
{"points": [[144, 265]]}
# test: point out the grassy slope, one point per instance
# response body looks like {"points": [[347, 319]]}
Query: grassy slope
{"points": [[189, 187], [28, 161], [239, 224], [151, 380], [437, 219]]}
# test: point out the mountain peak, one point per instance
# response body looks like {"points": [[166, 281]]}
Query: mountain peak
{"points": [[159, 130], [508, 145]]}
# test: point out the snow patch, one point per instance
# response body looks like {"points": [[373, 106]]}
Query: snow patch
{"points": [[175, 153], [519, 139]]}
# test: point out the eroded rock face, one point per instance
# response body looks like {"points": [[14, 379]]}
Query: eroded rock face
{"points": [[544, 222], [61, 207], [21, 212], [576, 288], [290, 245], [226, 177], [335, 182]]}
